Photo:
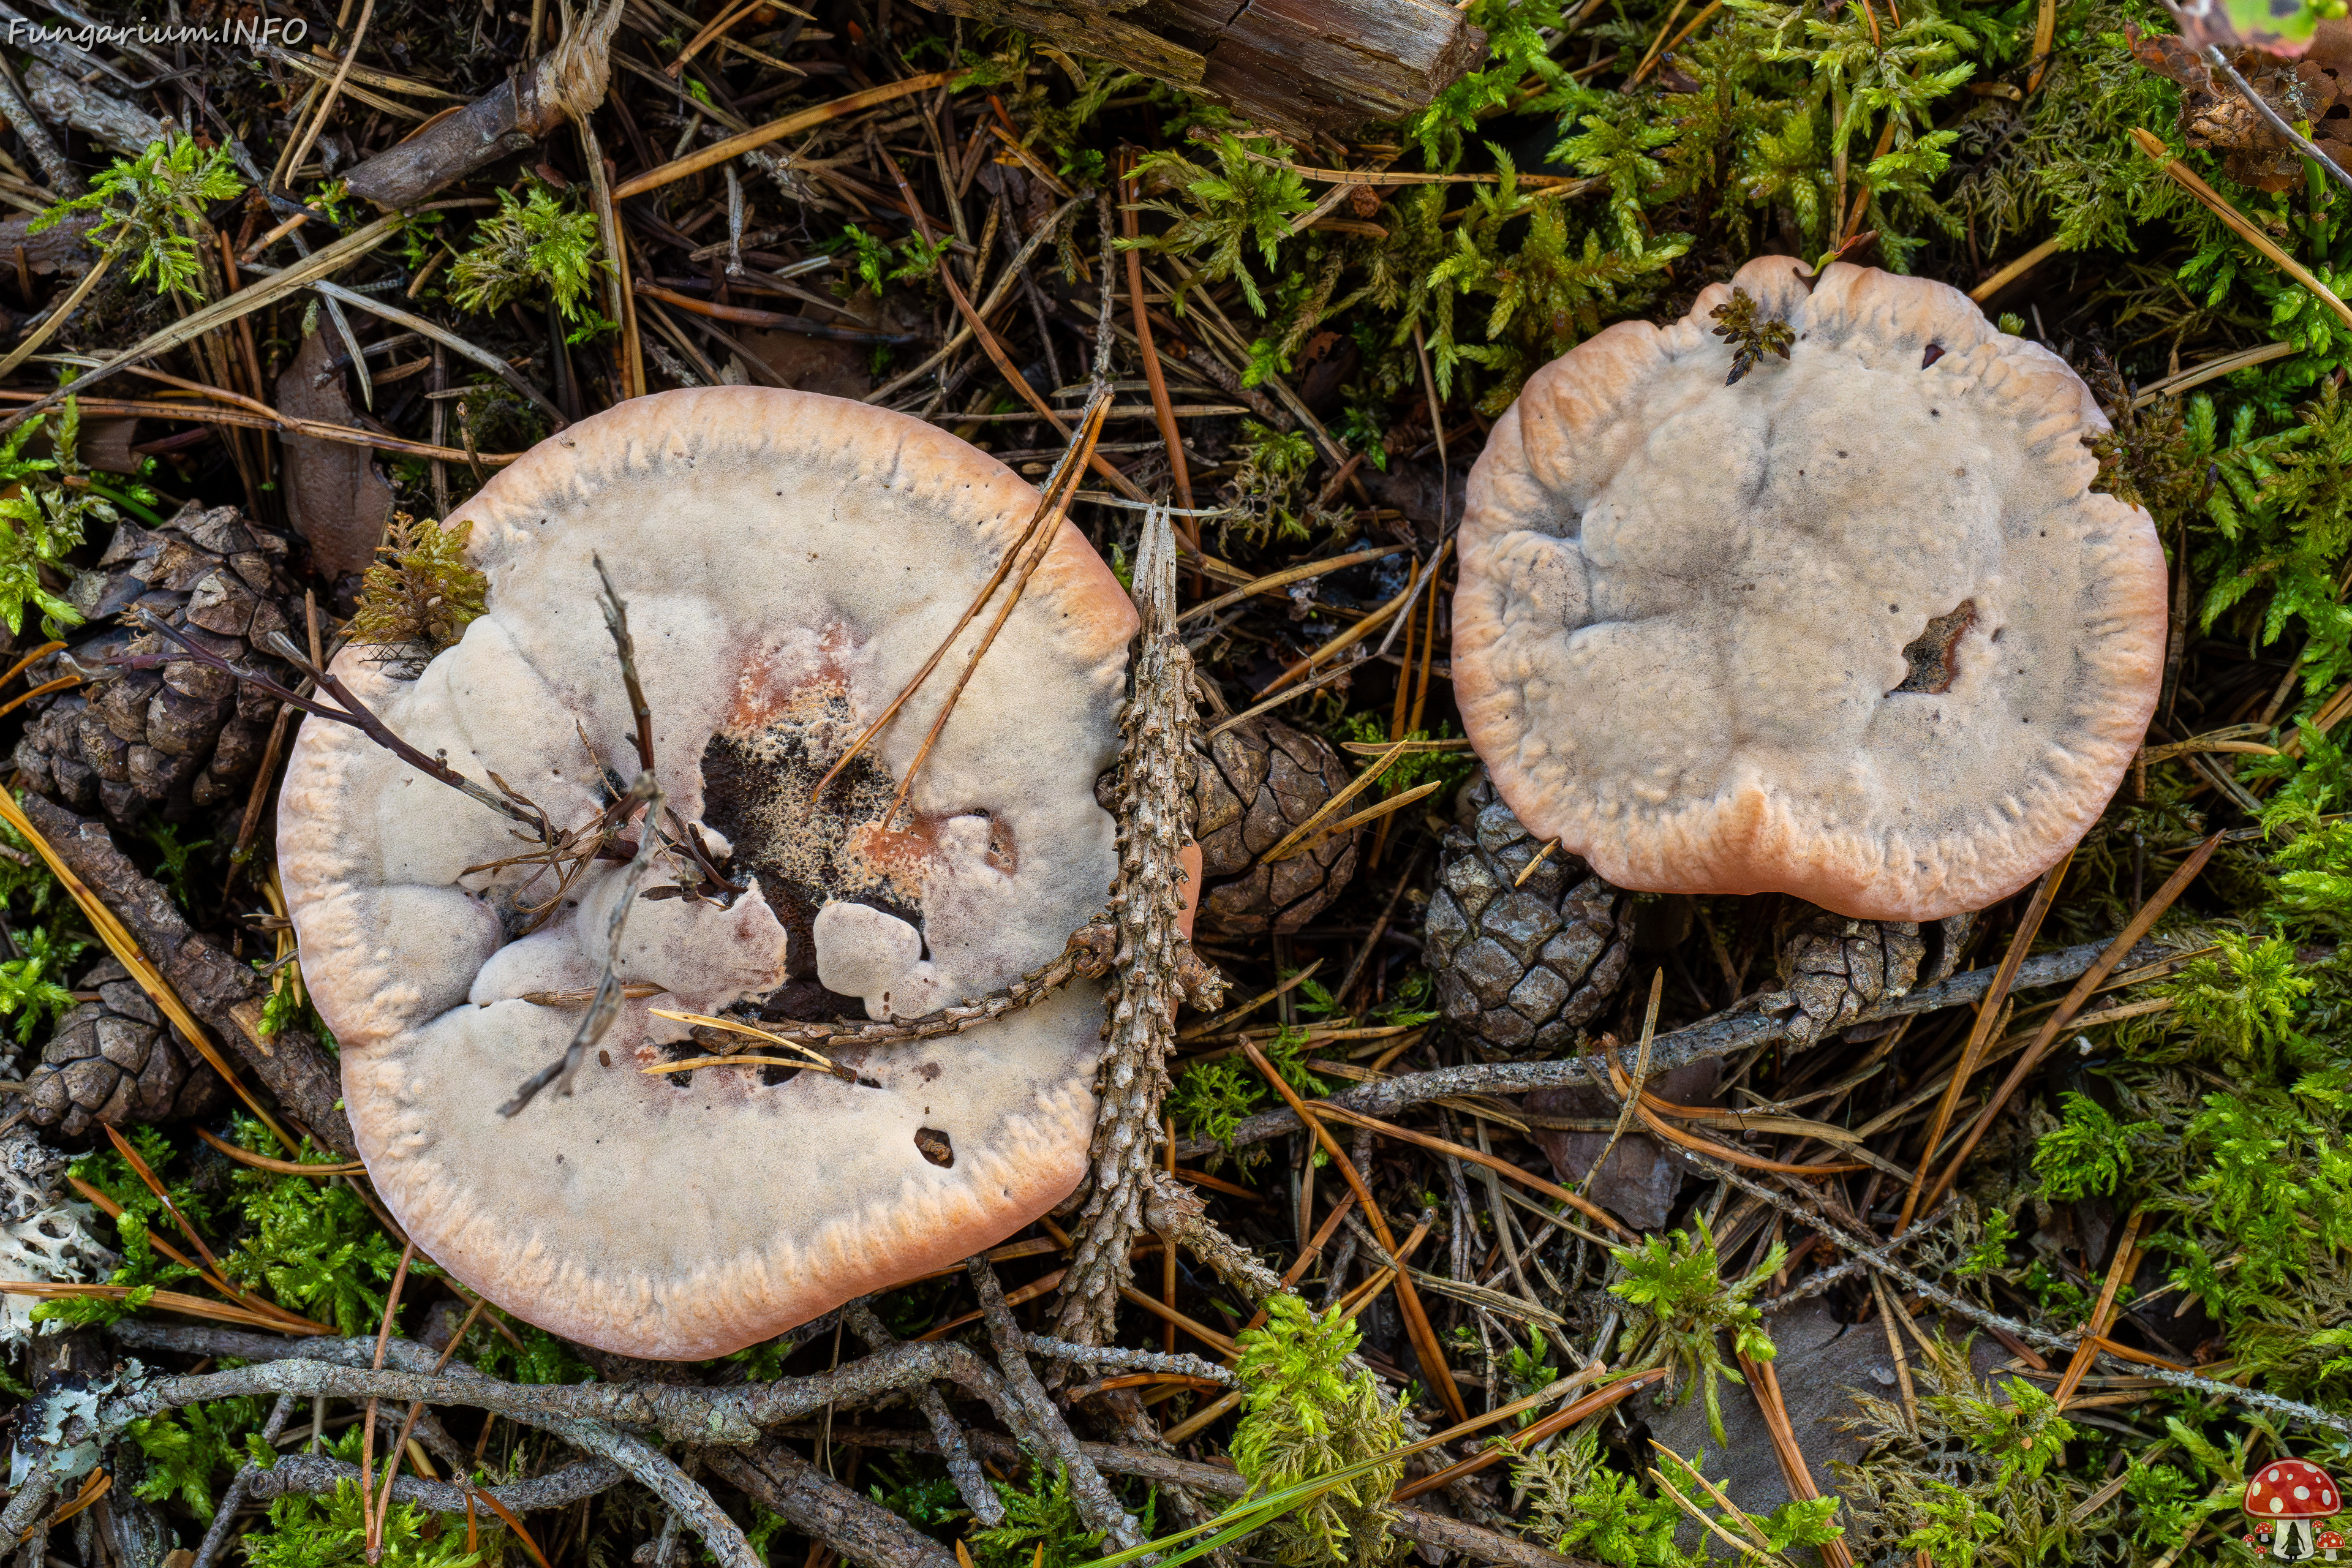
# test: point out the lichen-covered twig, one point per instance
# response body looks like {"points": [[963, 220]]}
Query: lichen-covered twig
{"points": [[1092, 1495], [315, 1474], [216, 1537], [1700, 1042], [971, 1482], [1133, 1360], [818, 1506], [1155, 802], [1178, 1213], [1087, 956], [683, 1413], [1477, 1543]]}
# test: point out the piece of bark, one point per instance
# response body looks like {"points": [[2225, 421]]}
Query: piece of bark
{"points": [[335, 496], [816, 1505], [1302, 66], [1639, 1182], [505, 121], [59, 98], [518, 112], [223, 992], [63, 248]]}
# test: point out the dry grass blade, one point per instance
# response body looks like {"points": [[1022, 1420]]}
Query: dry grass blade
{"points": [[1282, 579], [282, 1167], [2103, 1315], [100, 1482], [690, 1063], [372, 1524], [1329, 808], [1424, 1337], [1988, 1019], [1052, 504], [62, 683], [1640, 1070], [1089, 432], [1235, 1014], [56, 318], [1659, 1126], [17, 668], [2047, 1037], [301, 149], [2187, 180], [737, 1026], [1535, 1432], [790, 125], [1495, 1163], [162, 1301], [1370, 814], [1163, 411], [293, 1322], [328, 260], [1764, 1383]]}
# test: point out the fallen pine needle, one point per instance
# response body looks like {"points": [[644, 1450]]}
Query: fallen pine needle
{"points": [[737, 1026], [283, 1167]]}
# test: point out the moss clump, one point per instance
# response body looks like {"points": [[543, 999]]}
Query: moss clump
{"points": [[423, 594]]}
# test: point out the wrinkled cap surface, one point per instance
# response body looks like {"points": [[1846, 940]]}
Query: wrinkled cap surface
{"points": [[1855, 628], [789, 561]]}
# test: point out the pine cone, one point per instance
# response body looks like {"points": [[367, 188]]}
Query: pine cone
{"points": [[112, 1060], [1256, 782], [1525, 965], [1832, 966], [185, 737]]}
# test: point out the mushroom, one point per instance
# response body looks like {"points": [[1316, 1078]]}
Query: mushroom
{"points": [[2331, 1541], [789, 561], [1856, 627], [2290, 1496]]}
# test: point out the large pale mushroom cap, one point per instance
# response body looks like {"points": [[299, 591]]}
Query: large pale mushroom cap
{"points": [[788, 560], [1855, 628]]}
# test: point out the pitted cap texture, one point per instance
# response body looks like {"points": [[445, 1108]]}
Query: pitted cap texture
{"points": [[1855, 628], [789, 561]]}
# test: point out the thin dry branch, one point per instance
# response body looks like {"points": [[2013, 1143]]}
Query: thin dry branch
{"points": [[1700, 1042]]}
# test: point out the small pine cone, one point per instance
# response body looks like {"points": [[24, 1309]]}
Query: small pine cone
{"points": [[184, 738], [1256, 782], [113, 1060], [1832, 966], [1525, 965]]}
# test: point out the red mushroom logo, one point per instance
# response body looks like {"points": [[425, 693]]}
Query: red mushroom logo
{"points": [[2291, 1497]]}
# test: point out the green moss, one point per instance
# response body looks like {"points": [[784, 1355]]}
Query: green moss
{"points": [[1304, 1416]]}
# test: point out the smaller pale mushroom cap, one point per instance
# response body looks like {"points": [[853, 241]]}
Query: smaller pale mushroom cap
{"points": [[789, 561], [2291, 1489], [1855, 628]]}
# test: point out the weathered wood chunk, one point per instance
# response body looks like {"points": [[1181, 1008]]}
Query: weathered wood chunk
{"points": [[1304, 66]]}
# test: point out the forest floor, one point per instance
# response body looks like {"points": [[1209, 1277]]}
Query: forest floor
{"points": [[2036, 1255]]}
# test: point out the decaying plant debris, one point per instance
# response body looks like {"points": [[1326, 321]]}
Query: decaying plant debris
{"points": [[1761, 1232]]}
